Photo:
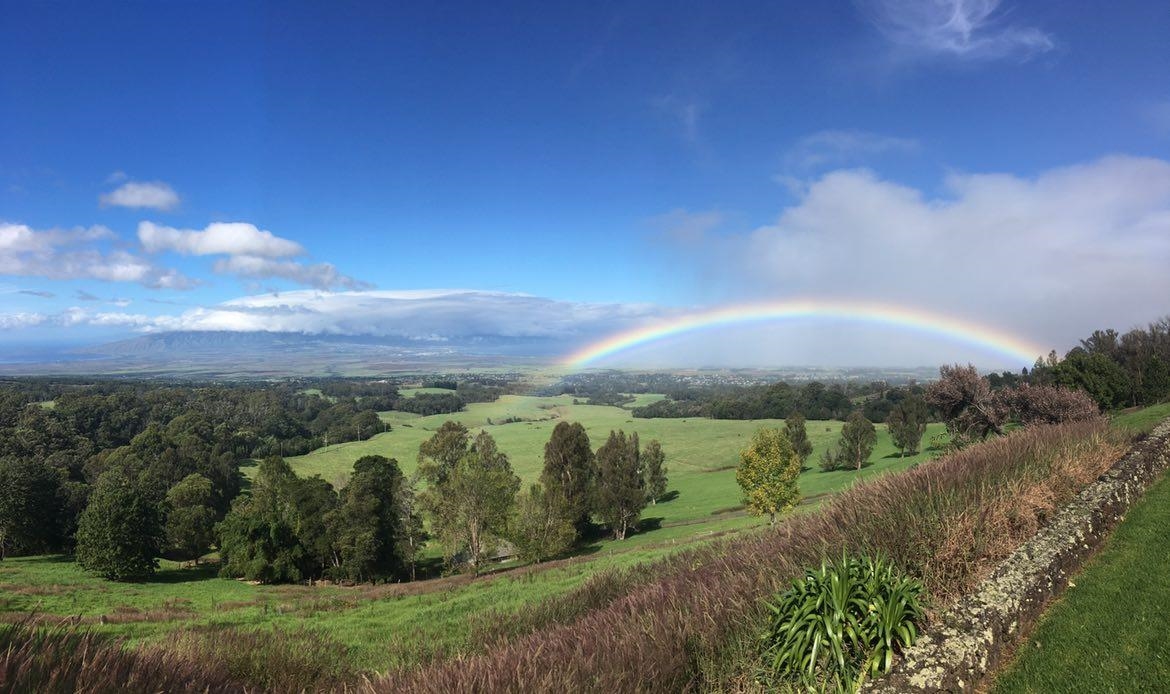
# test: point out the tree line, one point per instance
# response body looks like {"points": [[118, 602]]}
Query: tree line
{"points": [[54, 450]]}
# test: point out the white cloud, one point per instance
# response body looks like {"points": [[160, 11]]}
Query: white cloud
{"points": [[1052, 257], [15, 321], [135, 194], [232, 238], [75, 254], [966, 29]]}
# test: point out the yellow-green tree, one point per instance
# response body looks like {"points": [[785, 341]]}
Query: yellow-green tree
{"points": [[767, 473]]}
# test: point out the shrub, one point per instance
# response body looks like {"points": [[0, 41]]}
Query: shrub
{"points": [[842, 622]]}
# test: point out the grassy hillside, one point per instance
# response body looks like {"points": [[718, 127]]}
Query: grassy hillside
{"points": [[1085, 643], [375, 628], [701, 454]]}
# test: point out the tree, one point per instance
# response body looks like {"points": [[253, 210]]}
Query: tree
{"points": [[258, 537], [857, 439], [440, 454], [410, 522], [1096, 374], [366, 526], [30, 506], [470, 508], [767, 474], [797, 434], [654, 471], [830, 460], [542, 528], [121, 532], [966, 402], [619, 495], [190, 525], [907, 424], [568, 470], [308, 502], [1032, 404]]}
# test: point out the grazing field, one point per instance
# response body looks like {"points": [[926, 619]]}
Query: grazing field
{"points": [[376, 628], [701, 454], [1108, 633]]}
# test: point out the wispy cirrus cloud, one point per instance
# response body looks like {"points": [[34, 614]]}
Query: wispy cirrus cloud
{"points": [[38, 293], [976, 30], [683, 113], [843, 147], [154, 195]]}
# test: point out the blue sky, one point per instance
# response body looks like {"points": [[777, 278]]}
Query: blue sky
{"points": [[619, 158]]}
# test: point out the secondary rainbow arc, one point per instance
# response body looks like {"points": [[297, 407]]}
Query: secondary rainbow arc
{"points": [[977, 335]]}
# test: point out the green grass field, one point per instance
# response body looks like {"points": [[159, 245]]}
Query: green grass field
{"points": [[1109, 632], [701, 454], [397, 626], [1142, 420]]}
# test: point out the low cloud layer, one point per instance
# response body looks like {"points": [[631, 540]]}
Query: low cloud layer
{"points": [[154, 195], [431, 315], [1051, 257], [960, 29]]}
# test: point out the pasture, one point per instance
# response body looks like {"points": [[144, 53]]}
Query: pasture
{"points": [[380, 627], [701, 454]]}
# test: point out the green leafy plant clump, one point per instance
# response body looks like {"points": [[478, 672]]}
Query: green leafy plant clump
{"points": [[840, 623]]}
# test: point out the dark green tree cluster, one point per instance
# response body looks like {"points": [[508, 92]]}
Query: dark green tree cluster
{"points": [[812, 400], [291, 528], [158, 435], [1116, 369]]}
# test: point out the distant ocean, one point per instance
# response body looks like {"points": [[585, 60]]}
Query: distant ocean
{"points": [[26, 353]]}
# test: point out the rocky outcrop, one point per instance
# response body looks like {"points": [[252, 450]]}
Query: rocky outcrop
{"points": [[968, 640]]}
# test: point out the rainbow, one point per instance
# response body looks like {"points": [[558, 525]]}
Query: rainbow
{"points": [[981, 336]]}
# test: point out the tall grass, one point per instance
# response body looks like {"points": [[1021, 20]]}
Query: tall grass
{"points": [[59, 659], [268, 660], [947, 522]]}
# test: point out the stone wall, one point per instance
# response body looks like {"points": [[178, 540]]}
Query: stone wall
{"points": [[967, 642]]}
